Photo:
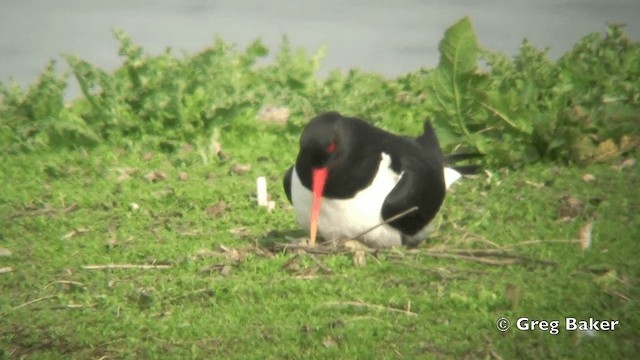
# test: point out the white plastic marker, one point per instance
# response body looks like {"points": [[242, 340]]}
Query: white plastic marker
{"points": [[261, 189]]}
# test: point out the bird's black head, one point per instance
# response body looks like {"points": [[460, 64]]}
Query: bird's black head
{"points": [[323, 142], [341, 145]]}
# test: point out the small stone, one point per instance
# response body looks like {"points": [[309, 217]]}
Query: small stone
{"points": [[627, 163], [274, 115], [240, 169], [329, 342], [155, 176], [216, 209]]}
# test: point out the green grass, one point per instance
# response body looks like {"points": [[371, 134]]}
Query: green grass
{"points": [[283, 305], [128, 174]]}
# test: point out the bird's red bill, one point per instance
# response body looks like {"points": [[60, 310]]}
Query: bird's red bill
{"points": [[318, 180]]}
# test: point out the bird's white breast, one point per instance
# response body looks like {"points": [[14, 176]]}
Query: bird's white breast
{"points": [[345, 218]]}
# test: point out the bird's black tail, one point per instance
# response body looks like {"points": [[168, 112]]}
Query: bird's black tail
{"points": [[429, 141], [467, 169]]}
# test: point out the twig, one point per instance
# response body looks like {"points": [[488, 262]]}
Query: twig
{"points": [[375, 258], [66, 282], [320, 264], [71, 306], [481, 252], [4, 270], [371, 306], [331, 247], [532, 242], [510, 259], [485, 255], [125, 266], [318, 249], [487, 241], [191, 293], [336, 245], [393, 218], [43, 211], [481, 260], [618, 294], [366, 318], [305, 277], [475, 252], [33, 301], [442, 272], [395, 350], [494, 354]]}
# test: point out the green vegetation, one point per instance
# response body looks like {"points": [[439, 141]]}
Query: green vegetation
{"points": [[156, 165]]}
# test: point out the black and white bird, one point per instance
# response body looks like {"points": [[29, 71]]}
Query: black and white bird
{"points": [[350, 176]]}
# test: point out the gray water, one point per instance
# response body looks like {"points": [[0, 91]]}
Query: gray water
{"points": [[386, 36]]}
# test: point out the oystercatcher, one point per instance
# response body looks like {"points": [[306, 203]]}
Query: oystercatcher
{"points": [[350, 176]]}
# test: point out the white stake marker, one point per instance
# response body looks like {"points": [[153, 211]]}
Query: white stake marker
{"points": [[261, 189]]}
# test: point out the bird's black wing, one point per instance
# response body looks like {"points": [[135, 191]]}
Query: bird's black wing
{"points": [[422, 185], [286, 182]]}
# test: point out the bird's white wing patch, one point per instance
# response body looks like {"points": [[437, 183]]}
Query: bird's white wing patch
{"points": [[451, 176]]}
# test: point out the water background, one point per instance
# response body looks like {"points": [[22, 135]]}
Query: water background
{"points": [[386, 36]]}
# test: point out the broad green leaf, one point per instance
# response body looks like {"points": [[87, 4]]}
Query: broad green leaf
{"points": [[459, 48], [453, 83]]}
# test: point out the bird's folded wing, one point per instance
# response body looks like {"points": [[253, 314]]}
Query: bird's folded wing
{"points": [[420, 186]]}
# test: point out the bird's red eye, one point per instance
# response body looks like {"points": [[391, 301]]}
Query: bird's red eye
{"points": [[331, 147]]}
